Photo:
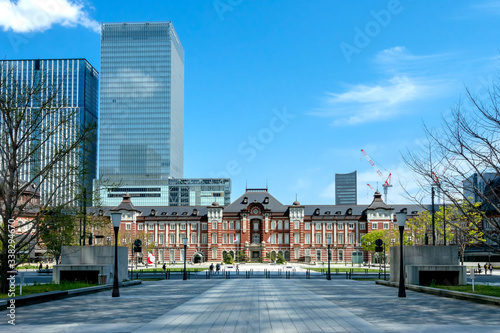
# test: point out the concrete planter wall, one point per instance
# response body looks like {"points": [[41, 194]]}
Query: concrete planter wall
{"points": [[93, 258]]}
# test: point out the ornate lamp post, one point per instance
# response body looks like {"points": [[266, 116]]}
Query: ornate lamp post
{"points": [[185, 242], [116, 218], [401, 217], [329, 242]]}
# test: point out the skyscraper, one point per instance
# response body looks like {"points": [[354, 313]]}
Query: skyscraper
{"points": [[141, 133], [346, 192], [75, 83]]}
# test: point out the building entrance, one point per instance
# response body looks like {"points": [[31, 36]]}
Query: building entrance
{"points": [[197, 258]]}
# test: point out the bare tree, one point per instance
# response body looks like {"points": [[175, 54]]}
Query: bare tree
{"points": [[467, 143], [42, 146]]}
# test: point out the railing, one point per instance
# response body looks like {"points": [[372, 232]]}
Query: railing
{"points": [[285, 273]]}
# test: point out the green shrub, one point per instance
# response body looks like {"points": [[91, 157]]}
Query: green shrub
{"points": [[228, 258]]}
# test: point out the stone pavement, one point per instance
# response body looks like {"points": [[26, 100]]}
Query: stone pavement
{"points": [[256, 305]]}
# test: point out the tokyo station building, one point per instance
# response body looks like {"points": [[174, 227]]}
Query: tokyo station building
{"points": [[257, 224]]}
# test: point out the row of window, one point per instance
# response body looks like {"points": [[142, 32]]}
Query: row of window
{"points": [[161, 226], [172, 254], [280, 238], [236, 225]]}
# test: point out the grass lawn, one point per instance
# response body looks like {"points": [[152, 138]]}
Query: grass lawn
{"points": [[480, 290], [25, 267], [42, 288], [342, 269]]}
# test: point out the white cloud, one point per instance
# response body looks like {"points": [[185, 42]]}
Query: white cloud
{"points": [[401, 54], [39, 15], [367, 103]]}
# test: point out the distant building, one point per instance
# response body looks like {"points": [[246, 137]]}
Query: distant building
{"points": [[346, 190], [258, 225], [77, 82], [477, 185], [170, 192]]}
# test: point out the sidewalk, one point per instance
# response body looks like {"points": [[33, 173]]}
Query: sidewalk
{"points": [[256, 305]]}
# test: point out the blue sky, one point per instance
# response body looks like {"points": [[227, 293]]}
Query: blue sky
{"points": [[289, 92]]}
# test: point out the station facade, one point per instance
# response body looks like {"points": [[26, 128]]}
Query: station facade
{"points": [[256, 224]]}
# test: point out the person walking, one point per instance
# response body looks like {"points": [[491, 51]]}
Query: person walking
{"points": [[478, 268], [211, 268], [217, 268], [164, 267], [485, 268], [491, 269]]}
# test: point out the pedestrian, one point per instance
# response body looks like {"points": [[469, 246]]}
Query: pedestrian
{"points": [[40, 267], [164, 267], [478, 268], [491, 269], [217, 268], [485, 268], [211, 268]]}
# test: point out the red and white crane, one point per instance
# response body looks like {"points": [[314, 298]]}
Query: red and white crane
{"points": [[387, 182]]}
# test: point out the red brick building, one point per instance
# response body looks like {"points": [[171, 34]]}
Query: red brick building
{"points": [[256, 223]]}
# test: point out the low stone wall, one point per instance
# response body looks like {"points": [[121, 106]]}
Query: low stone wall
{"points": [[440, 272], [92, 258], [422, 256], [447, 293]]}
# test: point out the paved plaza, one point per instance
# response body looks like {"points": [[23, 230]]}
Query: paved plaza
{"points": [[256, 305]]}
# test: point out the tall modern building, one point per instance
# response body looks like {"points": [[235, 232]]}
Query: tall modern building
{"points": [[141, 133], [346, 190], [76, 82]]}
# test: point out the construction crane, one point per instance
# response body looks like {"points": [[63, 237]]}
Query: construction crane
{"points": [[387, 182], [371, 187], [445, 168]]}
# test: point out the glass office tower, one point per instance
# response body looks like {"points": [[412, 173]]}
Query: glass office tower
{"points": [[141, 133], [346, 192], [76, 82]]}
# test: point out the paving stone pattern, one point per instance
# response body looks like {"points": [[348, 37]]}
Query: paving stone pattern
{"points": [[256, 305]]}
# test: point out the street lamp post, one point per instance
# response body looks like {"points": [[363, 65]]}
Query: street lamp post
{"points": [[116, 218], [185, 242], [401, 217], [329, 242]]}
